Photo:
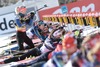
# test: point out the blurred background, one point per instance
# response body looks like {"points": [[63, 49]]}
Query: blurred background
{"points": [[11, 2]]}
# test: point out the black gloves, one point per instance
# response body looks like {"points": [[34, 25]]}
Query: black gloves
{"points": [[32, 15], [21, 15]]}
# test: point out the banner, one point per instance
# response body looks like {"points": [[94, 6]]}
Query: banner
{"points": [[80, 6]]}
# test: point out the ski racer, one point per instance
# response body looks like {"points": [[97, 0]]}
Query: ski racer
{"points": [[21, 20]]}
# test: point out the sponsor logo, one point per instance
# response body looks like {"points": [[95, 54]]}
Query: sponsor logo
{"points": [[4, 25], [63, 9], [90, 7], [7, 23]]}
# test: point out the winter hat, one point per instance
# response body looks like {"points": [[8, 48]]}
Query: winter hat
{"points": [[69, 41]]}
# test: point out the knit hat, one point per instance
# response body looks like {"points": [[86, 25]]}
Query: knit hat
{"points": [[69, 41], [41, 22], [22, 8]]}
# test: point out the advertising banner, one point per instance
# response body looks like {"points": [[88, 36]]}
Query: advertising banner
{"points": [[80, 6]]}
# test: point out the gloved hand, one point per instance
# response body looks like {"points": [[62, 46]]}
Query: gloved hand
{"points": [[32, 15], [21, 15]]}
